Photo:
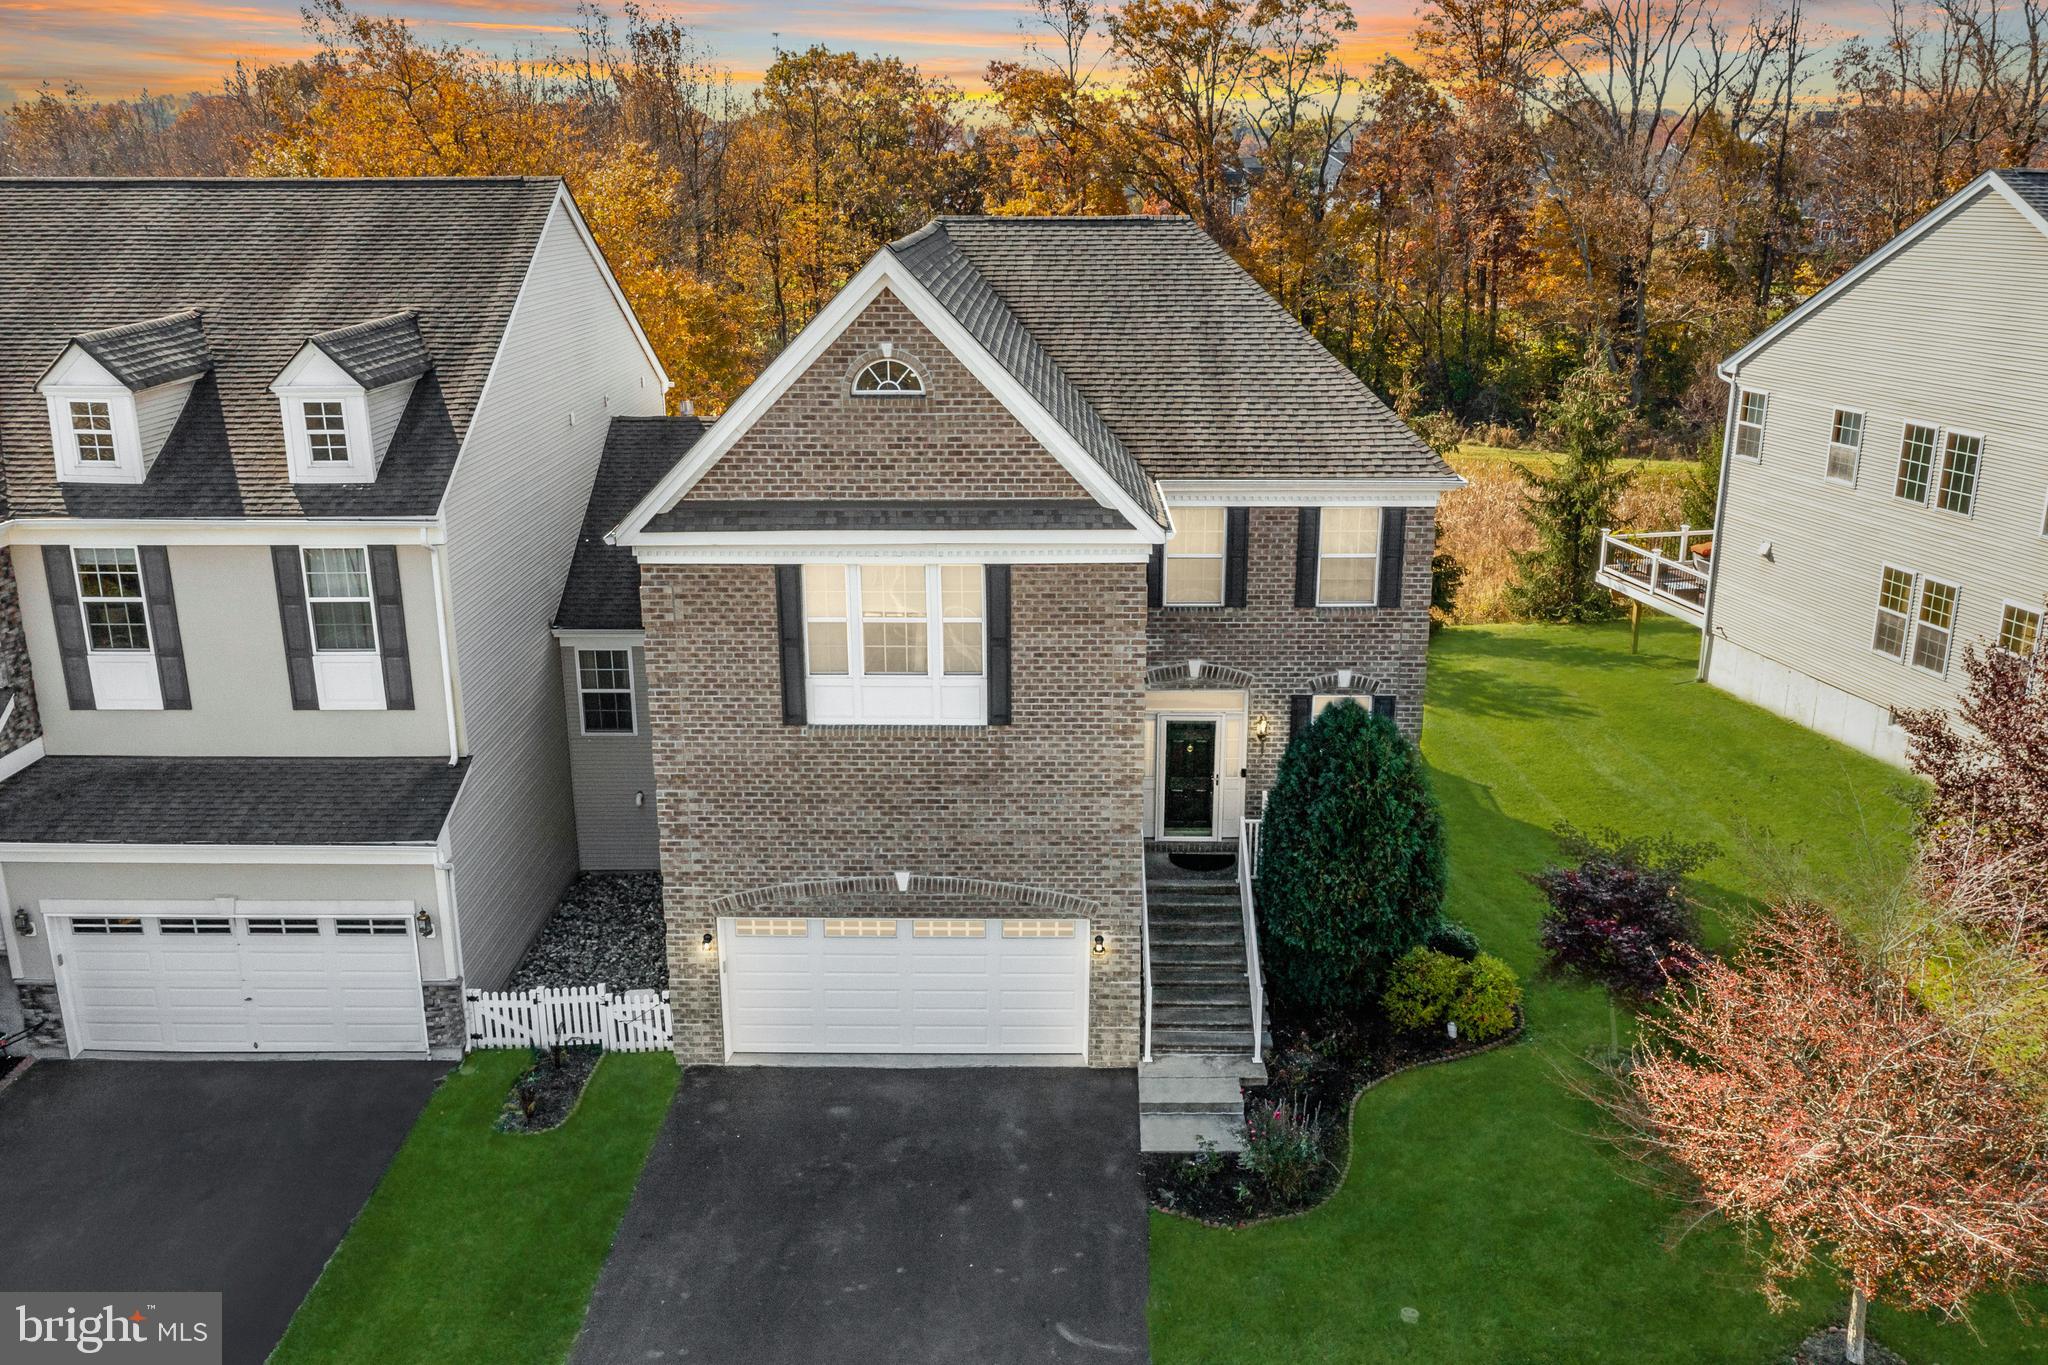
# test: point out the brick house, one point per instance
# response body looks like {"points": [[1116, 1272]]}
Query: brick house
{"points": [[1030, 550]]}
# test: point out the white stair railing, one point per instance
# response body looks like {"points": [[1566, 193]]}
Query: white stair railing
{"points": [[1246, 844], [1145, 945]]}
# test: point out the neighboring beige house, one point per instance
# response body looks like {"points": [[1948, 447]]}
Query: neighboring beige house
{"points": [[294, 471], [1884, 490]]}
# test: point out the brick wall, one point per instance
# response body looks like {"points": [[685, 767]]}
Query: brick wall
{"points": [[1051, 801], [1284, 647], [817, 441]]}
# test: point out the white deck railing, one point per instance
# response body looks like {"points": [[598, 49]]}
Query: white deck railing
{"points": [[1666, 570], [1247, 846]]}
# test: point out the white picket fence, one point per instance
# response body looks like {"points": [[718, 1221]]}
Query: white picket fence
{"points": [[619, 1021]]}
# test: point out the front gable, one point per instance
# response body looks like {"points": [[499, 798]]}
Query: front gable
{"points": [[819, 441]]}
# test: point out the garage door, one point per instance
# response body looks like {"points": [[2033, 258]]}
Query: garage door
{"points": [[239, 976], [912, 986]]}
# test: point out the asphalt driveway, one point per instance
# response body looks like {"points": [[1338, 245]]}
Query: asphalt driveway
{"points": [[232, 1176], [789, 1216]]}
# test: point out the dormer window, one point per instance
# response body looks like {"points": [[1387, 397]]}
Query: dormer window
{"points": [[115, 394], [888, 378], [343, 395]]}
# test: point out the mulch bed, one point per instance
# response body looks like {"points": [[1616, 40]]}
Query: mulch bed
{"points": [[607, 929], [11, 1065], [547, 1093], [1829, 1346], [1314, 1072]]}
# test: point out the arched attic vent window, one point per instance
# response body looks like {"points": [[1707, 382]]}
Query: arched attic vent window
{"points": [[888, 378]]}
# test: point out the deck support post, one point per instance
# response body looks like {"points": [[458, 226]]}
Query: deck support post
{"points": [[1635, 623]]}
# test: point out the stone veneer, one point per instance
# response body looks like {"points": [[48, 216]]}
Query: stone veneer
{"points": [[43, 1017], [1048, 806], [1287, 650], [24, 724], [447, 1028]]}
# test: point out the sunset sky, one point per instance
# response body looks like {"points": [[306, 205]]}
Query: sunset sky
{"points": [[115, 48]]}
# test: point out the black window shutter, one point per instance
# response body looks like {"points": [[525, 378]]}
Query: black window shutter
{"points": [[1297, 714], [70, 626], [162, 605], [298, 630], [1237, 525], [1155, 577], [996, 608], [1384, 705], [1393, 549], [391, 646], [1308, 543], [789, 618]]}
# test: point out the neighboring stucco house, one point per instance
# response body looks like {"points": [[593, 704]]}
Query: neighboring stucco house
{"points": [[1035, 545], [294, 472], [1884, 492]]}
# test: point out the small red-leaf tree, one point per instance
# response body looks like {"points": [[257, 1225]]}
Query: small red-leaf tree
{"points": [[1985, 824], [1815, 1100]]}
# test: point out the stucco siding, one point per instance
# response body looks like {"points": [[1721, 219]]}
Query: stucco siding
{"points": [[570, 361], [1946, 333], [235, 664], [613, 775]]}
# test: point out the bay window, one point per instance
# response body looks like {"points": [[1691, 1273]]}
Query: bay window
{"points": [[895, 644]]}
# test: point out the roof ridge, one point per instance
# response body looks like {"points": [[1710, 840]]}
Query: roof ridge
{"points": [[1064, 219], [308, 180]]}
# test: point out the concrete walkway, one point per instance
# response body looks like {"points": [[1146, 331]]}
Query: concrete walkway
{"points": [[794, 1216]]}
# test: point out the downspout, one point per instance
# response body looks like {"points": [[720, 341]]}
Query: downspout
{"points": [[1720, 520], [438, 564]]}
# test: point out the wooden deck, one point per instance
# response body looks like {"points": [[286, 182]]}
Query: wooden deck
{"points": [[1664, 570]]}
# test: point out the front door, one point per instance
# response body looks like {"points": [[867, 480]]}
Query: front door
{"points": [[1189, 807]]}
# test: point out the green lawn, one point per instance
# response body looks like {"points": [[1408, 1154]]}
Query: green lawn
{"points": [[481, 1246], [1476, 1195]]}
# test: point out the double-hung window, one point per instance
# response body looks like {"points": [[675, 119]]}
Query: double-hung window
{"points": [[1348, 564], [1961, 454], [1894, 611], [895, 644], [92, 431], [326, 431], [1845, 444], [2019, 630], [604, 682], [1934, 625], [118, 654], [1194, 558], [1916, 462], [1749, 424], [344, 618]]}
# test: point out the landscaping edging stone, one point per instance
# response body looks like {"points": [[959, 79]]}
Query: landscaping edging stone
{"points": [[1513, 1035], [15, 1072], [558, 1090]]}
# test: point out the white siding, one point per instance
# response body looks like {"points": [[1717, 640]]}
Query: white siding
{"points": [[1948, 333], [613, 775], [513, 509], [386, 406], [156, 412]]}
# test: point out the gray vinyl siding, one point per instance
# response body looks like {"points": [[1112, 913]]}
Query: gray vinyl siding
{"points": [[386, 406], [235, 662], [513, 509], [613, 775], [1947, 333], [156, 411]]}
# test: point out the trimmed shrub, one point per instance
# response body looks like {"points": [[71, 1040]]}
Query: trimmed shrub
{"points": [[1453, 938], [1422, 988], [1486, 1002], [1619, 914], [1351, 866]]}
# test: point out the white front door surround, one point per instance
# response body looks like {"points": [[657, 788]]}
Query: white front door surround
{"points": [[1226, 711]]}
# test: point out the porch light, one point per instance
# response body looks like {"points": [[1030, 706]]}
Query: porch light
{"points": [[24, 927], [710, 941], [424, 922], [1262, 726], [1100, 947]]}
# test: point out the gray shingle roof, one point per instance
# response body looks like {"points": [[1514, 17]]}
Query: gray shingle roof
{"points": [[80, 799], [936, 261], [2031, 186], [993, 514], [268, 264], [378, 353], [603, 588], [145, 354], [1193, 366]]}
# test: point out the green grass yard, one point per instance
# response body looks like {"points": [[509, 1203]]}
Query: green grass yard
{"points": [[1476, 1194], [481, 1246]]}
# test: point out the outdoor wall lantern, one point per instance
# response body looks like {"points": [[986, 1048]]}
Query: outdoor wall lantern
{"points": [[1262, 726], [424, 922], [23, 925], [1101, 946], [710, 941]]}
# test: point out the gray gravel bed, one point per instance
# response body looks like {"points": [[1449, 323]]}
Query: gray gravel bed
{"points": [[607, 929]]}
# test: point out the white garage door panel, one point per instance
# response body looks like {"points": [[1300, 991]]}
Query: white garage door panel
{"points": [[806, 992], [250, 989]]}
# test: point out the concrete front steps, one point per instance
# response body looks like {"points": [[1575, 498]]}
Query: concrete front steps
{"points": [[1186, 1097], [1202, 1023]]}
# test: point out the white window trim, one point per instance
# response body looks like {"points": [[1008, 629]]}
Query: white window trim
{"points": [[1323, 557], [360, 467], [1926, 498], [1878, 610], [127, 463], [84, 599], [1948, 649], [854, 390], [631, 690], [1222, 557], [1855, 451], [1735, 437], [122, 679], [345, 679], [1941, 472], [2036, 610], [862, 693]]}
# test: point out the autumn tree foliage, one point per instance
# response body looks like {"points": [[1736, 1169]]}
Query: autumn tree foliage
{"points": [[1815, 1101]]}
